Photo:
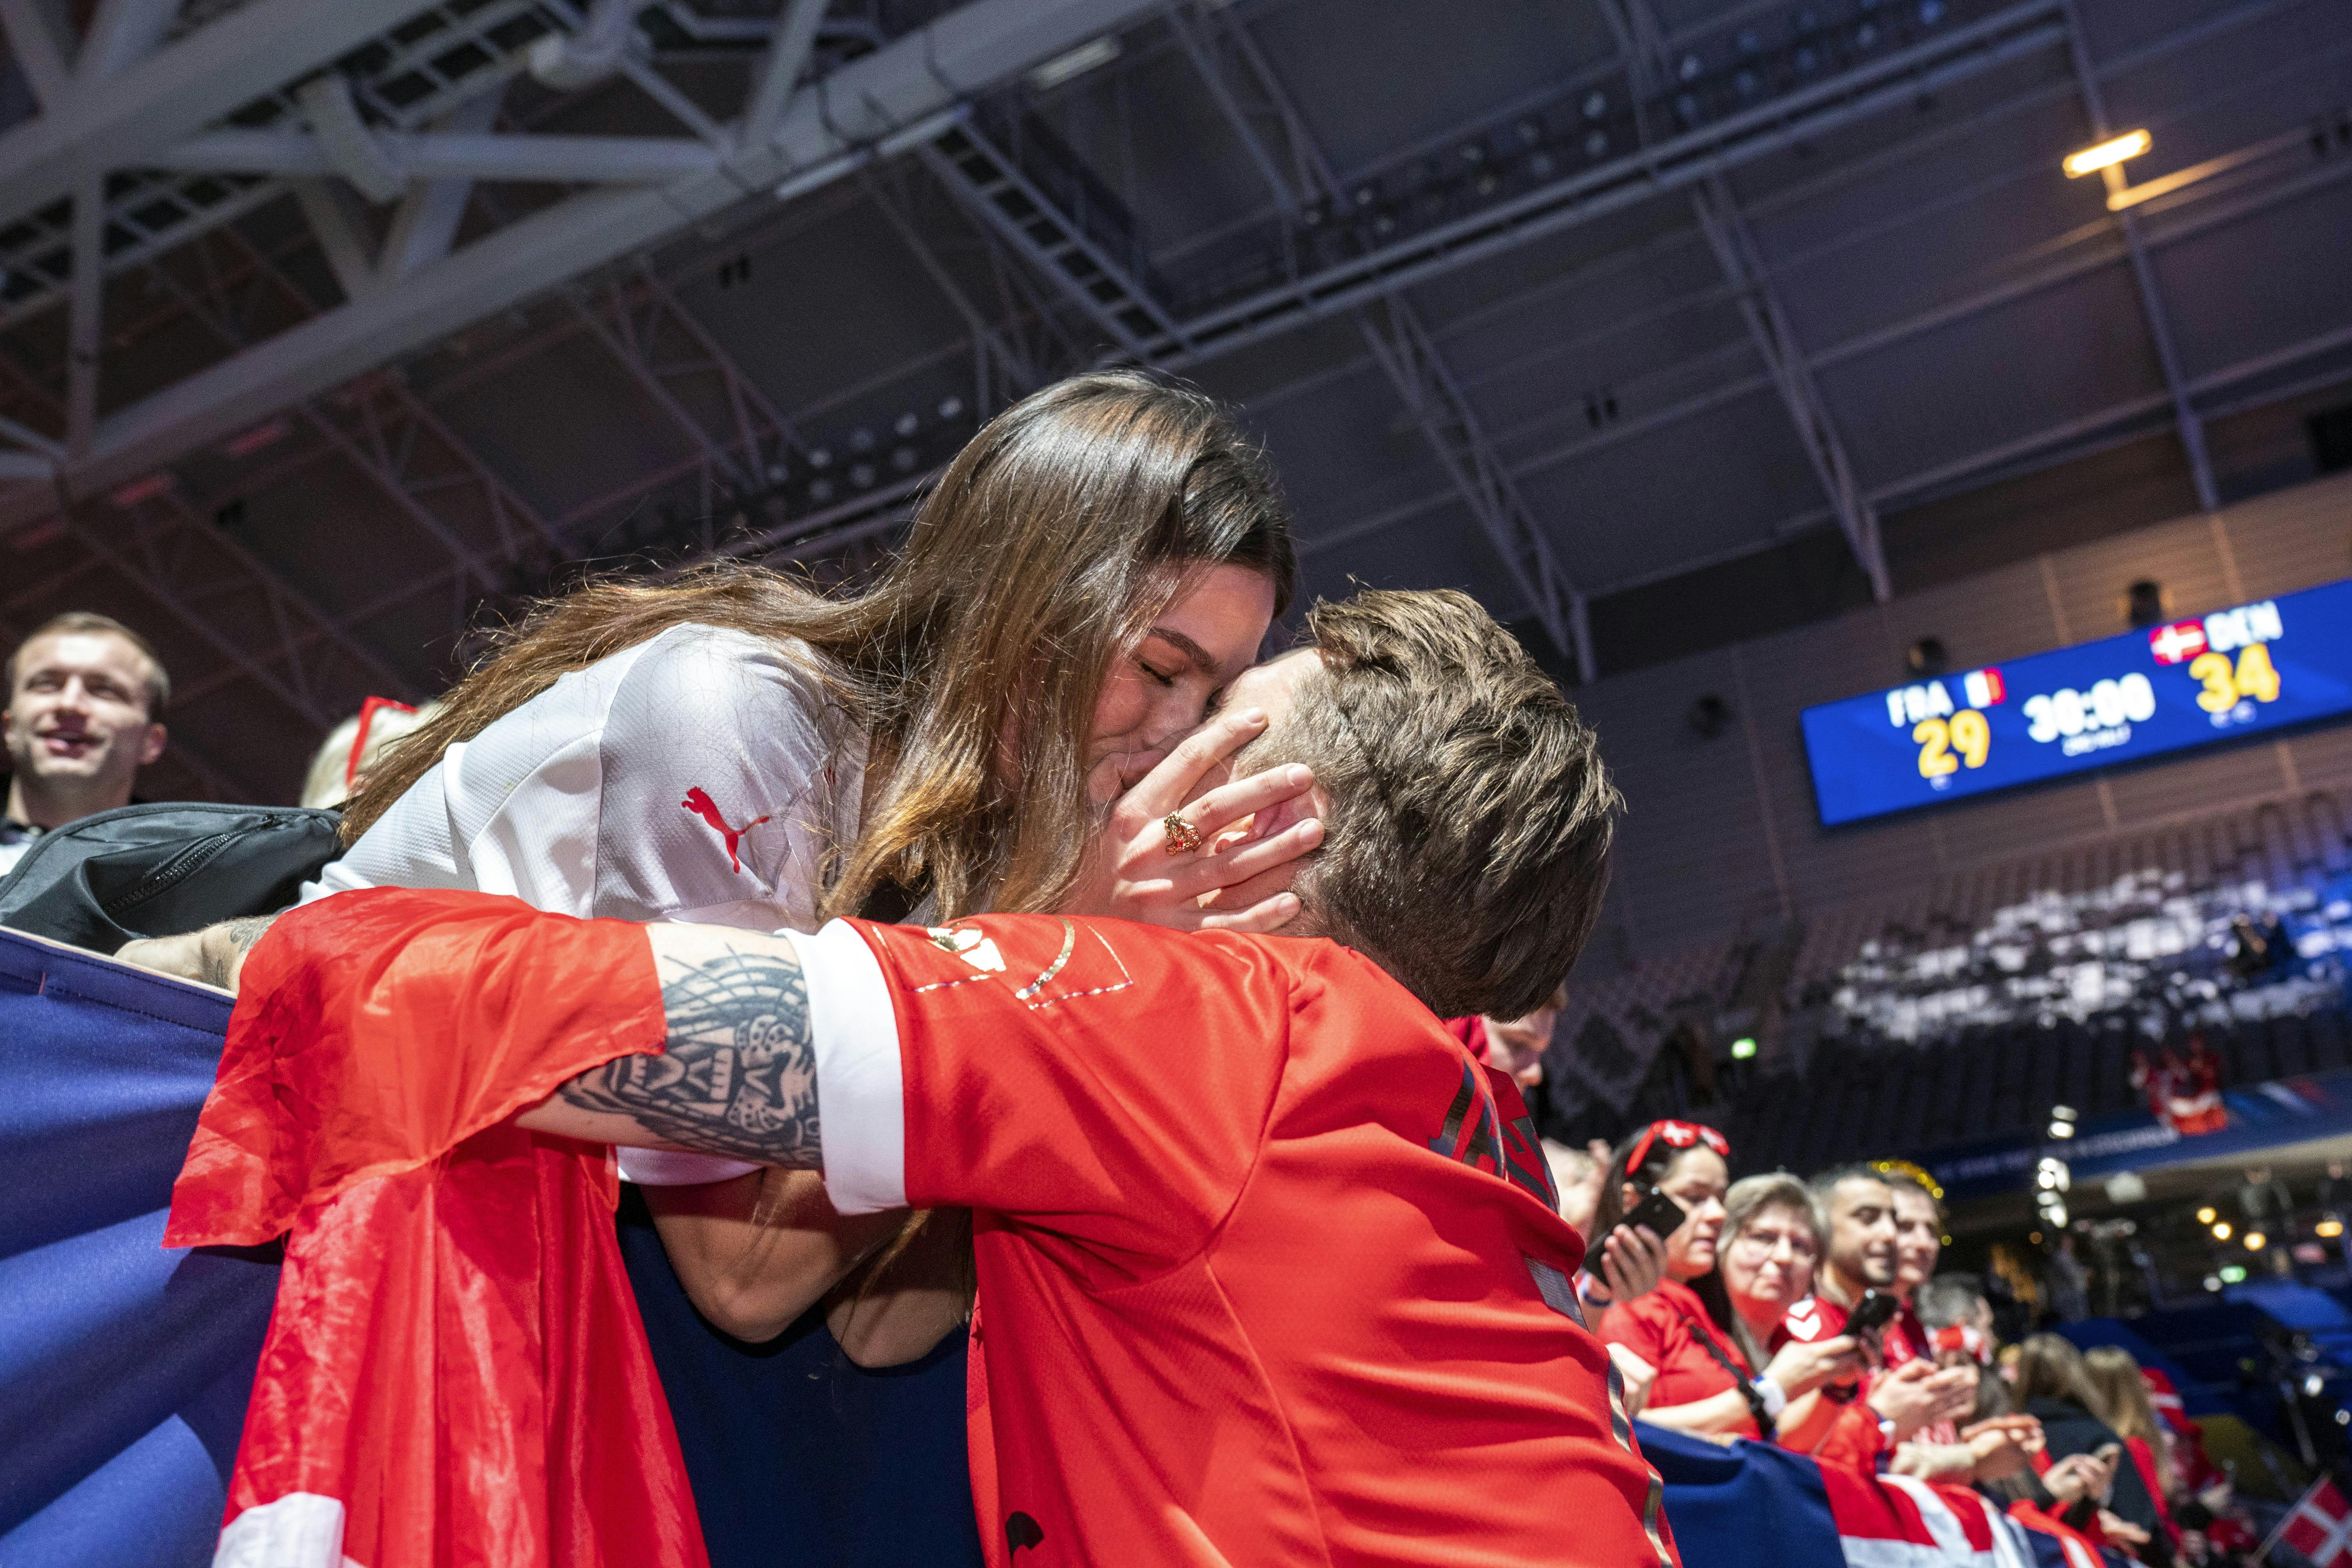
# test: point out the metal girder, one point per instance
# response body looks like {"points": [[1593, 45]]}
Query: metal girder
{"points": [[788, 52], [128, 118], [120, 34], [1676, 164], [677, 364], [824, 133], [261, 629], [35, 39], [1004, 367], [1090, 252], [380, 164], [1399, 342], [438, 480], [2151, 298], [1405, 352], [1643, 44]]}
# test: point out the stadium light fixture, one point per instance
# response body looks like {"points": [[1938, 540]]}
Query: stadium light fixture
{"points": [[1087, 56], [2205, 1216], [2062, 1130], [2256, 1241], [2107, 154], [2222, 1230]]}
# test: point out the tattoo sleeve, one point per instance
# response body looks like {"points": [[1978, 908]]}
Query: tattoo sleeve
{"points": [[738, 1075], [224, 945]]}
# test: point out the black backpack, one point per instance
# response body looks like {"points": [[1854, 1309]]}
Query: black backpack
{"points": [[163, 870]]}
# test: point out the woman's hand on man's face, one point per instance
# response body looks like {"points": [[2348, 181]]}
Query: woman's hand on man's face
{"points": [[1250, 833]]}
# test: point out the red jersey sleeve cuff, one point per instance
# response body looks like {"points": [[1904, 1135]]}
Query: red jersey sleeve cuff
{"points": [[861, 1093]]}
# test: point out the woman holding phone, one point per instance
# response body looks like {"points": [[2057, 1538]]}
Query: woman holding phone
{"points": [[1084, 579], [1741, 1256]]}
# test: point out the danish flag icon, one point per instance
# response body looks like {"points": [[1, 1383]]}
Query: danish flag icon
{"points": [[2181, 639], [698, 802], [2321, 1526]]}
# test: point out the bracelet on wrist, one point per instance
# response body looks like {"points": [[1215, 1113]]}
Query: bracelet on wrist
{"points": [[1775, 1398]]}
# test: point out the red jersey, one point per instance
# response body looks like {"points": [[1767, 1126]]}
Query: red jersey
{"points": [[1669, 1328], [1819, 1318], [1269, 1267]]}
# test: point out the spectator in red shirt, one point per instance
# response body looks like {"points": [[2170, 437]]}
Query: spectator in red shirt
{"points": [[1733, 1269], [1918, 1247], [1860, 1209]]}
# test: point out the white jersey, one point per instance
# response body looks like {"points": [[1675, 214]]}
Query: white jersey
{"points": [[702, 775]]}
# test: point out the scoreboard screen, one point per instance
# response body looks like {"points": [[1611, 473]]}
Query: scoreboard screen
{"points": [[2234, 673]]}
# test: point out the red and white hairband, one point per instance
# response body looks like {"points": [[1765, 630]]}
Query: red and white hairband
{"points": [[1964, 1337], [368, 711], [1677, 1135]]}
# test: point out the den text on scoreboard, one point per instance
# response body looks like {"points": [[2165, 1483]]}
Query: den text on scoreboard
{"points": [[2236, 672]]}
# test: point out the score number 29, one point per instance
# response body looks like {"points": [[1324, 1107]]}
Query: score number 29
{"points": [[1964, 731]]}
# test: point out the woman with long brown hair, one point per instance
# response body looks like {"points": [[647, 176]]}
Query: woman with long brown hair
{"points": [[1087, 573]]}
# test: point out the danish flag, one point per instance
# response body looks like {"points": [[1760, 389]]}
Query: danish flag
{"points": [[2180, 640], [2321, 1526]]}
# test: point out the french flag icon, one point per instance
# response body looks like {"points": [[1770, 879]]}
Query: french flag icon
{"points": [[1984, 687]]}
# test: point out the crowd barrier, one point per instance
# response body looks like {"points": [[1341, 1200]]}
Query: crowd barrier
{"points": [[125, 1368]]}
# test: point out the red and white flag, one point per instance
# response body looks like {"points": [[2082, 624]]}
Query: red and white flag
{"points": [[2321, 1526], [456, 1372]]}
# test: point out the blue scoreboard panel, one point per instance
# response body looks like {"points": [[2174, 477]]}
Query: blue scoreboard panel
{"points": [[2237, 672]]}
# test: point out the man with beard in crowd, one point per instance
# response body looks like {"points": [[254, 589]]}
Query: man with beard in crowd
{"points": [[1860, 1208]]}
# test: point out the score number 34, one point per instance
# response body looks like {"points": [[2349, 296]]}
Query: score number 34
{"points": [[1964, 733], [2253, 675]]}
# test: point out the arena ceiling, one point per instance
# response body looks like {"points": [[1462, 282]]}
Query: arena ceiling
{"points": [[330, 327]]}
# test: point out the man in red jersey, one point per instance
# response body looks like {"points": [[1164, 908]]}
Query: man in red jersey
{"points": [[1269, 1267]]}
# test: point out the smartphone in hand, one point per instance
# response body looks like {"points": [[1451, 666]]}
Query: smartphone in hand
{"points": [[1662, 1214], [1867, 1322]]}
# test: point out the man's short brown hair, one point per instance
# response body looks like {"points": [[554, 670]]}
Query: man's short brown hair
{"points": [[159, 680], [1466, 846]]}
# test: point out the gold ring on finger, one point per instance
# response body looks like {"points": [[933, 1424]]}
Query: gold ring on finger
{"points": [[1183, 838]]}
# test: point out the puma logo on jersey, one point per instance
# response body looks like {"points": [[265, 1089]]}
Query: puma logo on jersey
{"points": [[699, 803]]}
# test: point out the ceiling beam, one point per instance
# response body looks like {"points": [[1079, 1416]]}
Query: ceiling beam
{"points": [[35, 39], [2030, 27], [1642, 42], [2151, 298], [392, 158], [825, 134], [128, 118], [1399, 342]]}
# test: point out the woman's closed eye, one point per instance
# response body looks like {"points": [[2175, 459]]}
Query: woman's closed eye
{"points": [[1162, 677]]}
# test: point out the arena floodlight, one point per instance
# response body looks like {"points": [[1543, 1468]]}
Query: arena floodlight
{"points": [[2205, 1216], [2107, 154], [2256, 1241], [2222, 1230], [2062, 1130]]}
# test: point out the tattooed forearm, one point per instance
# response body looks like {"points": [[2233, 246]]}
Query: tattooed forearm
{"points": [[739, 1075], [223, 948]]}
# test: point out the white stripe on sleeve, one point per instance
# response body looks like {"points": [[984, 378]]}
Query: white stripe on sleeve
{"points": [[861, 1094]]}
